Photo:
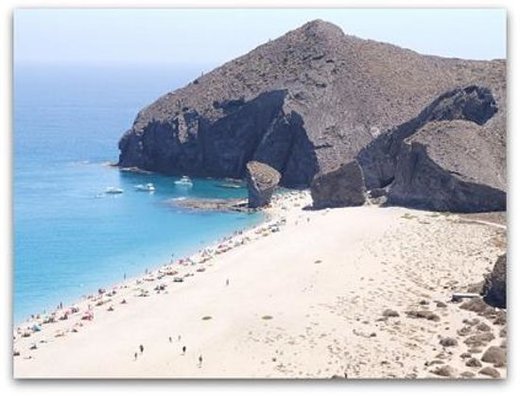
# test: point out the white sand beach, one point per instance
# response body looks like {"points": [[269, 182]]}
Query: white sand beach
{"points": [[302, 299]]}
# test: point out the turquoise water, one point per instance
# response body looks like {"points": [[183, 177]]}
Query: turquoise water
{"points": [[70, 238]]}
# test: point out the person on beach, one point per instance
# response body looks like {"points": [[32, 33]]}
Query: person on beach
{"points": [[141, 348], [200, 361], [135, 356], [227, 282], [184, 350], [170, 339], [179, 338]]}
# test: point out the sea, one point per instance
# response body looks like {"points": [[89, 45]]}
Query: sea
{"points": [[70, 237]]}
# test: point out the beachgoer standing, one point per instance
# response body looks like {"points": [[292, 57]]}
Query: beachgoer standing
{"points": [[170, 339], [141, 348], [227, 282], [184, 350], [135, 356], [200, 361]]}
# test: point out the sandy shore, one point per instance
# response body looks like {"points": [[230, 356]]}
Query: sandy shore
{"points": [[303, 298]]}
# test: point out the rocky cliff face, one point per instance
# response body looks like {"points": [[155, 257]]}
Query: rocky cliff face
{"points": [[451, 157], [379, 158], [306, 103]]}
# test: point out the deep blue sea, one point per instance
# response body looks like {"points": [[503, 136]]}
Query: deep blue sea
{"points": [[71, 239]]}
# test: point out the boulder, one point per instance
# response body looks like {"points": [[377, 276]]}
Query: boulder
{"points": [[495, 355], [390, 313], [473, 362], [261, 182], [490, 372], [445, 371], [428, 315], [341, 187], [479, 340], [495, 285], [448, 342]]}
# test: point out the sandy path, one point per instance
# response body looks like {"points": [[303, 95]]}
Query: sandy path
{"points": [[303, 302]]}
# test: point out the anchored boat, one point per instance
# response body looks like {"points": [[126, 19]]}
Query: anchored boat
{"points": [[184, 181], [145, 187]]}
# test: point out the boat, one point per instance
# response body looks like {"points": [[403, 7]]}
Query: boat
{"points": [[113, 190], [184, 181], [145, 187]]}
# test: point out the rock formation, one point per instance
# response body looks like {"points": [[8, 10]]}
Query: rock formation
{"points": [[495, 284], [316, 98], [379, 158], [451, 157], [261, 182], [447, 158], [341, 187], [210, 204]]}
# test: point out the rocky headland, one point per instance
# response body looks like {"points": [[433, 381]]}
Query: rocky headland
{"points": [[425, 131]]}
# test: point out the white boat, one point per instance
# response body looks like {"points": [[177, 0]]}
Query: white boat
{"points": [[113, 190], [145, 187], [184, 181]]}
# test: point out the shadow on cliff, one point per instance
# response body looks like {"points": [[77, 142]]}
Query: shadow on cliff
{"points": [[260, 129]]}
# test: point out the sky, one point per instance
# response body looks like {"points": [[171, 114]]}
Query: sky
{"points": [[213, 36]]}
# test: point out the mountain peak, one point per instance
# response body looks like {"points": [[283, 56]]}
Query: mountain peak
{"points": [[319, 25], [321, 28]]}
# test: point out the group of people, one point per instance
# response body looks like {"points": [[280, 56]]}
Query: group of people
{"points": [[184, 349]]}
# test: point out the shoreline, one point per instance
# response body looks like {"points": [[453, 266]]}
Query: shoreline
{"points": [[154, 266], [296, 302], [267, 214]]}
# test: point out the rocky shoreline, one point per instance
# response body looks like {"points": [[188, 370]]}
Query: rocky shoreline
{"points": [[208, 204]]}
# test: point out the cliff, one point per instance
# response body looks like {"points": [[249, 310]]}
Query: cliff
{"points": [[450, 157], [306, 103]]}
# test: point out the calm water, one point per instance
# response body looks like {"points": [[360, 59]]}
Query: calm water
{"points": [[69, 239]]}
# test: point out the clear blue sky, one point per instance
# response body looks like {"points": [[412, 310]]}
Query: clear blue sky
{"points": [[212, 36]]}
